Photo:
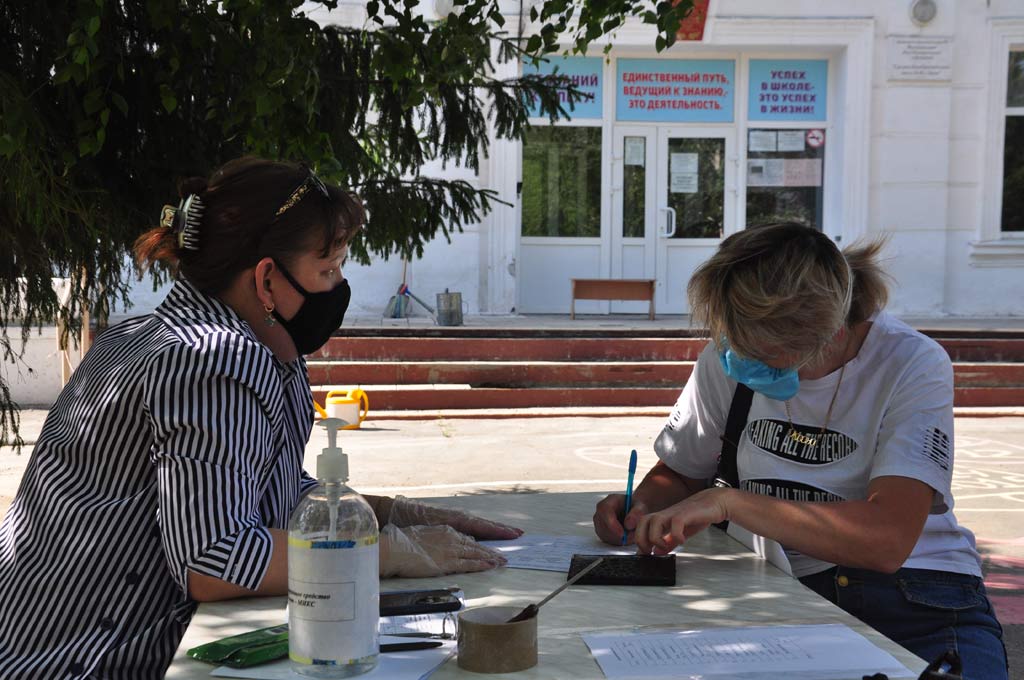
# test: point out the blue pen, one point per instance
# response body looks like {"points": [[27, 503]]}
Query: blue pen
{"points": [[629, 492]]}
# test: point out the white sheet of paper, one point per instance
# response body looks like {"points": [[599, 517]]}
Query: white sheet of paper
{"points": [[414, 665], [683, 162], [683, 183], [825, 652], [418, 623], [551, 553], [792, 140], [635, 151], [802, 172], [761, 140], [765, 172], [765, 548]]}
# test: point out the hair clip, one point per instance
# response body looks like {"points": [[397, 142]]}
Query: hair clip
{"points": [[167, 216], [310, 182], [184, 221]]}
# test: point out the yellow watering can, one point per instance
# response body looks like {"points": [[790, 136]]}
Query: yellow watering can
{"points": [[350, 404]]}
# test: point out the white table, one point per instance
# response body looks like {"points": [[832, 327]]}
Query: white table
{"points": [[719, 583]]}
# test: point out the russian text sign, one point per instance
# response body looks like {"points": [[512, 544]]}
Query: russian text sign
{"points": [[584, 73], [675, 90], [788, 89]]}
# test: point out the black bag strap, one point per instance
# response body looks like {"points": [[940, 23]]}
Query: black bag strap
{"points": [[727, 474], [946, 667]]}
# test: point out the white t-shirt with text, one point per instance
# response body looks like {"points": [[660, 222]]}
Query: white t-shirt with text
{"points": [[893, 416]]}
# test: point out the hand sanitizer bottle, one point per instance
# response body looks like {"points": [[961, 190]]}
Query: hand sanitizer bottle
{"points": [[333, 583]]}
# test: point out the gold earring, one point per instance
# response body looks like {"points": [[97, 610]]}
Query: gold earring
{"points": [[269, 318]]}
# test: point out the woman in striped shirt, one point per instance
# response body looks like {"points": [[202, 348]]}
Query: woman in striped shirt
{"points": [[168, 467]]}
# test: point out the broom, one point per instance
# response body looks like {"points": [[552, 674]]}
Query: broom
{"points": [[404, 290], [398, 305]]}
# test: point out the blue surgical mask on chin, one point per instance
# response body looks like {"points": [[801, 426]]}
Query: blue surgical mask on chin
{"points": [[781, 384]]}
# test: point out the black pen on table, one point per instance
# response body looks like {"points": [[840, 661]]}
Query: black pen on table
{"points": [[409, 646]]}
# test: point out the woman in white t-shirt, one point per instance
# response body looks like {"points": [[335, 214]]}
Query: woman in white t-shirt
{"points": [[846, 457]]}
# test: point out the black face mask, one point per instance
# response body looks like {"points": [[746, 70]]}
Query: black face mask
{"points": [[320, 314]]}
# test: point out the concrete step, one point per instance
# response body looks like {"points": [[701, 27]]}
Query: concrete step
{"points": [[522, 374], [988, 374], [432, 369], [437, 397], [503, 373], [988, 396], [984, 349], [616, 412], [618, 347], [509, 349]]}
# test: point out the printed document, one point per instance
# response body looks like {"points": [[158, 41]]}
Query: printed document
{"points": [[552, 553], [823, 652]]}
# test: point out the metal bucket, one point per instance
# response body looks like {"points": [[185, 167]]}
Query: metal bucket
{"points": [[449, 309]]}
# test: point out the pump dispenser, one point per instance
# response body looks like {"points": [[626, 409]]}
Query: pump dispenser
{"points": [[332, 463], [333, 583], [332, 468]]}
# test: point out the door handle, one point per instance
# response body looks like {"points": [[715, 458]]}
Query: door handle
{"points": [[670, 222]]}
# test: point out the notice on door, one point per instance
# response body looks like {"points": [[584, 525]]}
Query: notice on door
{"points": [[791, 140], [784, 172], [635, 151], [762, 141], [802, 172], [683, 182], [683, 173], [765, 172], [684, 162]]}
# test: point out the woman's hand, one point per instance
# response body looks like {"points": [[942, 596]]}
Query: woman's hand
{"points": [[661, 532], [421, 551], [406, 512], [609, 523]]}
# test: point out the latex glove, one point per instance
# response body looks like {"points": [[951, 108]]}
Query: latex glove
{"points": [[407, 512], [421, 551]]}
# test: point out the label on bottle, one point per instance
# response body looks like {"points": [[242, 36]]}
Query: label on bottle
{"points": [[333, 600]]}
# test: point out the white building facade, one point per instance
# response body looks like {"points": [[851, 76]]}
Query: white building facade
{"points": [[864, 118]]}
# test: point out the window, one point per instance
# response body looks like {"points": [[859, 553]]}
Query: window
{"points": [[1012, 218], [999, 240], [784, 176], [1000, 236], [562, 182]]}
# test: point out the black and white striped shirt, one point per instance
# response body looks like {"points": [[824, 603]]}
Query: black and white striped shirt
{"points": [[176, 443]]}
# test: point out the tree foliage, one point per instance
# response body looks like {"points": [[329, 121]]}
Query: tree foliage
{"points": [[105, 104]]}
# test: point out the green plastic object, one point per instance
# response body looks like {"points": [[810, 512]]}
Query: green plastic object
{"points": [[247, 649]]}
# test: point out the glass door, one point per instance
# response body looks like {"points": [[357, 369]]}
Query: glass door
{"points": [[634, 237], [695, 195]]}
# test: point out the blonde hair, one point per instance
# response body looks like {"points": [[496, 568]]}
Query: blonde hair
{"points": [[785, 288]]}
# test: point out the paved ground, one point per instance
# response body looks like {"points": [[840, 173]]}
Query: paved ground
{"points": [[453, 457]]}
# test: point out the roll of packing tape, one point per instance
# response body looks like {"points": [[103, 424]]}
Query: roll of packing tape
{"points": [[487, 644]]}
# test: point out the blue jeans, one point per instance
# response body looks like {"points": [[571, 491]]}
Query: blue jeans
{"points": [[928, 612]]}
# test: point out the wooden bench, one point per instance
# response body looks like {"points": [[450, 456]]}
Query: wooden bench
{"points": [[612, 289]]}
